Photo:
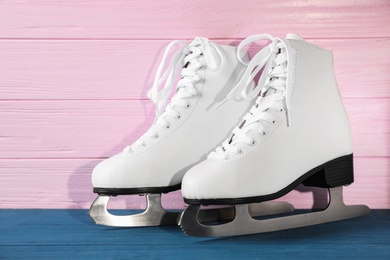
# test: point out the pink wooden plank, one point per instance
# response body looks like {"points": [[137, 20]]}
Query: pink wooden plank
{"points": [[46, 183], [94, 129], [361, 66], [125, 69], [61, 183], [77, 69], [58, 183], [183, 19], [370, 121], [70, 129]]}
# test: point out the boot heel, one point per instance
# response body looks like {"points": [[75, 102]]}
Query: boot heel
{"points": [[337, 172]]}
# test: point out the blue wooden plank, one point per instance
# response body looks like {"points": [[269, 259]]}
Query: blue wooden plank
{"points": [[56, 234]]}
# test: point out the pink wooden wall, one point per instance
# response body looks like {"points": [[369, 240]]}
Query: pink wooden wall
{"points": [[74, 76]]}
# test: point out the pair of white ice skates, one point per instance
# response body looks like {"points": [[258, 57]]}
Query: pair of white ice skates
{"points": [[293, 130]]}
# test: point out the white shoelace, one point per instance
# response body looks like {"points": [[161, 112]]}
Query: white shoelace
{"points": [[188, 56], [274, 87]]}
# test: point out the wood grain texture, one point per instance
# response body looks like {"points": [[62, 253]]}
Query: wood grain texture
{"points": [[125, 69], [60, 183], [183, 19], [74, 77], [95, 129], [71, 129], [58, 234]]}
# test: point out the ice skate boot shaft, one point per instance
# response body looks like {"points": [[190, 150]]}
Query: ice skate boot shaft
{"points": [[185, 130], [297, 132]]}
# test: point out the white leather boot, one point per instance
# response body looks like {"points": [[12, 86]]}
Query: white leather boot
{"points": [[182, 135], [297, 132]]}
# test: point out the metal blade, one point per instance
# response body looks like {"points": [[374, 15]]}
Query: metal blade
{"points": [[244, 224], [156, 215], [255, 210]]}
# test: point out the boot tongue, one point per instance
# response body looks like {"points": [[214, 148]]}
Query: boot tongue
{"points": [[192, 64], [249, 129], [195, 42], [291, 36], [270, 92]]}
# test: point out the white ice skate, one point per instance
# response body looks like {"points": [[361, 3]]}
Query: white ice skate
{"points": [[297, 132], [183, 133]]}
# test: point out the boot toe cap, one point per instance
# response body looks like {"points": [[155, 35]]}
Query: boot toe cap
{"points": [[200, 182], [108, 172]]}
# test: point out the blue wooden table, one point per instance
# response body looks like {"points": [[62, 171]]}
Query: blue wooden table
{"points": [[67, 234]]}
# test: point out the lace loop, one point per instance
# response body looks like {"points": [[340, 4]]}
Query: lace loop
{"points": [[169, 75], [244, 87], [274, 86], [263, 60], [187, 60], [184, 55], [211, 59]]}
